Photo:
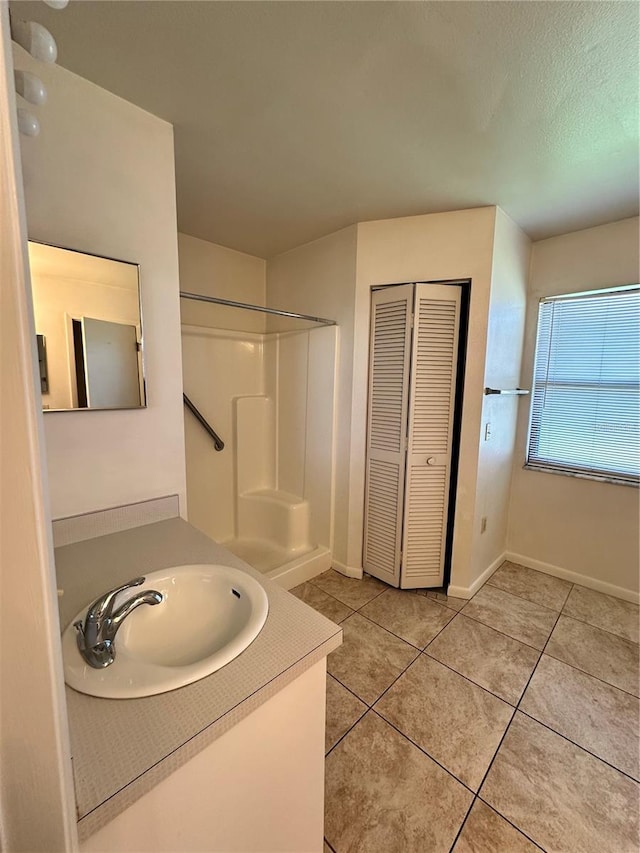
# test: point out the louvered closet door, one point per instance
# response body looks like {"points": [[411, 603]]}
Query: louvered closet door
{"points": [[388, 399], [431, 406]]}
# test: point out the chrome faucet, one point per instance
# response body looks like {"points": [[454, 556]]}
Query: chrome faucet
{"points": [[96, 637]]}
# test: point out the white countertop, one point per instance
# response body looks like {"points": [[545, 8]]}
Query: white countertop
{"points": [[123, 747]]}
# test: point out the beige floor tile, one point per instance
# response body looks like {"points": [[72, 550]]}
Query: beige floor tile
{"points": [[322, 602], [596, 652], [448, 600], [383, 795], [369, 659], [412, 617], [559, 795], [592, 714], [523, 620], [534, 586], [343, 710], [454, 721], [491, 659], [611, 614], [350, 591], [484, 831]]}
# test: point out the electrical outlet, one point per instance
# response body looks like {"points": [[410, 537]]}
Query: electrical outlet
{"points": [[483, 524]]}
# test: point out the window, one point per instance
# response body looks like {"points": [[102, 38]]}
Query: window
{"points": [[585, 408]]}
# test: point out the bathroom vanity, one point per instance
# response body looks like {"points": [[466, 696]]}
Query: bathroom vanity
{"points": [[232, 762]]}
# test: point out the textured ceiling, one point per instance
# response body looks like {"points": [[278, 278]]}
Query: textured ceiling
{"points": [[294, 119]]}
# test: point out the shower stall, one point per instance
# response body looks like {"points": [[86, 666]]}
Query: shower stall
{"points": [[260, 480]]}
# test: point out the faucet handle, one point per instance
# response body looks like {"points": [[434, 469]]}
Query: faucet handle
{"points": [[102, 606]]}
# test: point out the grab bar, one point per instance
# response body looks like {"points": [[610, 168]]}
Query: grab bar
{"points": [[217, 441]]}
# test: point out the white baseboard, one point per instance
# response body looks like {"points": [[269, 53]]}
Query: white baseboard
{"points": [[574, 577], [348, 571], [470, 591]]}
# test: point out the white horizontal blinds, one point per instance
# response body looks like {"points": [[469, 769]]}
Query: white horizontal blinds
{"points": [[388, 399], [431, 409], [585, 411]]}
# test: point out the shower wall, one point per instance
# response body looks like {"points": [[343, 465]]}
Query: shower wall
{"points": [[230, 355], [300, 377], [217, 366], [286, 438]]}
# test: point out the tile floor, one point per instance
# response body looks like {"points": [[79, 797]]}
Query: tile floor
{"points": [[504, 724]]}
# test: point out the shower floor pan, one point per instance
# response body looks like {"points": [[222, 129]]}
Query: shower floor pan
{"points": [[280, 564]]}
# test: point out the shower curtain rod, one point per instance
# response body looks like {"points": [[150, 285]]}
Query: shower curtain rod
{"points": [[218, 301]]}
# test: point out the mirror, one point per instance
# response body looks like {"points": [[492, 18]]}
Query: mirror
{"points": [[89, 330]]}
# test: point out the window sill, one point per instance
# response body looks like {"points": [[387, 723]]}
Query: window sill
{"points": [[600, 478]]}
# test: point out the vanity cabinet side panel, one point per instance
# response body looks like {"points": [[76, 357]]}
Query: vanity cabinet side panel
{"points": [[260, 786]]}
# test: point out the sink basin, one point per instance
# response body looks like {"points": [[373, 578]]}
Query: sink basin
{"points": [[208, 616]]}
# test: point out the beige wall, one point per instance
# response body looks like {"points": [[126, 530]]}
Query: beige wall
{"points": [[333, 277], [100, 179], [507, 304], [444, 246], [587, 530], [319, 279], [37, 805], [213, 270]]}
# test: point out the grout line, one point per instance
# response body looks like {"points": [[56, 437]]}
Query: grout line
{"points": [[538, 662], [377, 595], [348, 689], [519, 597], [571, 588], [598, 628], [579, 745], [475, 619], [461, 827], [435, 637], [351, 727], [370, 706], [562, 609], [475, 683], [516, 708], [393, 634], [423, 751], [372, 710], [584, 672], [495, 755], [510, 822], [387, 689], [498, 631], [524, 598]]}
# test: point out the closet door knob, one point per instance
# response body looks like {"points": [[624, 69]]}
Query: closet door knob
{"points": [[431, 460]]}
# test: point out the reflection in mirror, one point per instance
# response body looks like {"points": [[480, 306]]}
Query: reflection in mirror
{"points": [[89, 330]]}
